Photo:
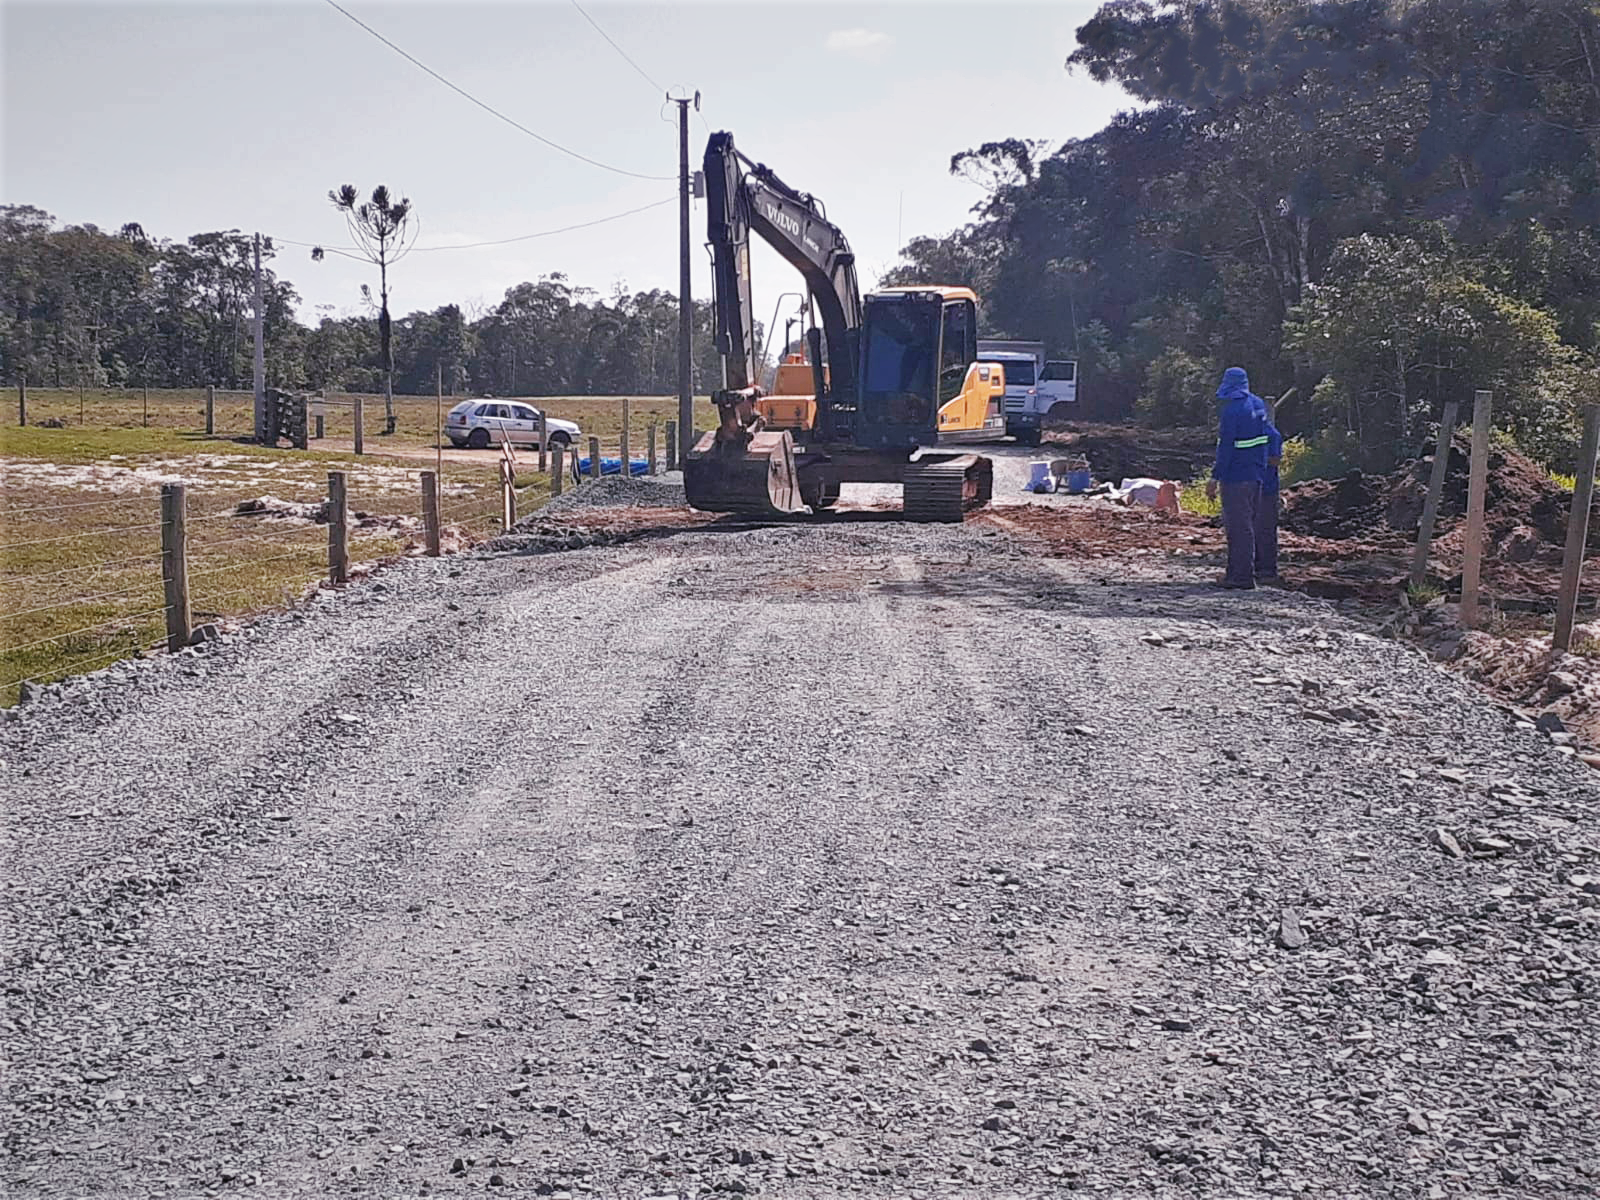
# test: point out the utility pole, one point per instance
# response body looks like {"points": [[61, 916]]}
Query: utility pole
{"points": [[685, 303], [261, 356]]}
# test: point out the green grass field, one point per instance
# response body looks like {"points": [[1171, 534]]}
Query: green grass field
{"points": [[416, 416], [80, 537]]}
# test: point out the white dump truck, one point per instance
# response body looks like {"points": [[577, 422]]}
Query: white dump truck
{"points": [[1034, 384]]}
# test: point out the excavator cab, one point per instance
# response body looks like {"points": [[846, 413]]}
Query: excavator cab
{"points": [[921, 382]]}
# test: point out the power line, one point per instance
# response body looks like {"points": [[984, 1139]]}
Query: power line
{"points": [[490, 109], [524, 237], [643, 74], [551, 232]]}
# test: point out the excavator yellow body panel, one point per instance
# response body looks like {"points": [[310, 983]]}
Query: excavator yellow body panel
{"points": [[791, 405], [977, 407]]}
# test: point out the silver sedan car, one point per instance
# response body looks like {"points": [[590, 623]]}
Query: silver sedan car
{"points": [[479, 423]]}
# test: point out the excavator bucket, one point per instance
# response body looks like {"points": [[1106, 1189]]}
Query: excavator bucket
{"points": [[757, 479]]}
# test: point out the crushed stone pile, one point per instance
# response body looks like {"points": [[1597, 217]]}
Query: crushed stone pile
{"points": [[613, 491]]}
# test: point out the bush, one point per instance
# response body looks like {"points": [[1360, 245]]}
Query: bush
{"points": [[1177, 390], [1327, 455], [1194, 498]]}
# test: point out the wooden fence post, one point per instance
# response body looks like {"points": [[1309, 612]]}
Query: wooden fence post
{"points": [[1430, 507], [211, 409], [22, 399], [544, 440], [508, 495], [1577, 533], [360, 426], [558, 472], [146, 389], [175, 567], [627, 421], [430, 512], [672, 445], [594, 457], [1477, 480], [80, 402], [651, 450], [338, 529]]}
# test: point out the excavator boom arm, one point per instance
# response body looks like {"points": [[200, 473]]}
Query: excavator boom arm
{"points": [[745, 196]]}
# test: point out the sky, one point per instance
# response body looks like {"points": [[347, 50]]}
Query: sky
{"points": [[192, 117]]}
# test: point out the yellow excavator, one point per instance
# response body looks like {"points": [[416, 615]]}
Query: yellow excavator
{"points": [[895, 382]]}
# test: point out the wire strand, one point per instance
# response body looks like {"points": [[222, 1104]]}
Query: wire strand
{"points": [[68, 671], [13, 512], [492, 111], [86, 629], [7, 580], [254, 562], [75, 600], [68, 537], [643, 74], [293, 581], [551, 232], [199, 548]]}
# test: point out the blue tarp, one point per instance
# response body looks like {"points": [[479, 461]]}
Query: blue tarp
{"points": [[613, 466]]}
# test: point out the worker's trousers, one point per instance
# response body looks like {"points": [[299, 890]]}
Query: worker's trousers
{"points": [[1267, 536], [1240, 504]]}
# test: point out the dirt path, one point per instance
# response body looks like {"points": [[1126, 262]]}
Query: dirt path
{"points": [[796, 862]]}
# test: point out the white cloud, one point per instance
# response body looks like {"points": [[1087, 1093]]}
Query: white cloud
{"points": [[859, 43]]}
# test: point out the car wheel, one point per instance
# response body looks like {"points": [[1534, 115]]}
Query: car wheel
{"points": [[560, 438], [478, 439]]}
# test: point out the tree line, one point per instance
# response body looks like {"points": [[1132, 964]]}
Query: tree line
{"points": [[82, 305], [1380, 204]]}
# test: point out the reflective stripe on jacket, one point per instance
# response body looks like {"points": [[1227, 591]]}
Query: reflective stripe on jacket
{"points": [[1241, 441]]}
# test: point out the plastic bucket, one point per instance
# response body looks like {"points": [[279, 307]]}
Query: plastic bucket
{"points": [[1078, 481]]}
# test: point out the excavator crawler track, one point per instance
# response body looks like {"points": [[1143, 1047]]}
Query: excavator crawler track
{"points": [[944, 489]]}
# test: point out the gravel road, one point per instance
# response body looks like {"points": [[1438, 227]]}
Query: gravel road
{"points": [[866, 858]]}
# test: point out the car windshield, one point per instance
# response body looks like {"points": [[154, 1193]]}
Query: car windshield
{"points": [[1019, 371]]}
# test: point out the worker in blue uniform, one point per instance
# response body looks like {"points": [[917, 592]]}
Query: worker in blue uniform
{"points": [[1239, 470], [1267, 511]]}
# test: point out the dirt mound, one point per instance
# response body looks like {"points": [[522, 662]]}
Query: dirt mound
{"points": [[1525, 511], [1118, 452]]}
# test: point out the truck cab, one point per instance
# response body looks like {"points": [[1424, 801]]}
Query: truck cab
{"points": [[1034, 384], [1058, 383], [1022, 412]]}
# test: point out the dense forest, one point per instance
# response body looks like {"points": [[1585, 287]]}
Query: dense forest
{"points": [[1381, 204], [108, 309]]}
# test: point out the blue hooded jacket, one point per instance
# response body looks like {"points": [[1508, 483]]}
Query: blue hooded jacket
{"points": [[1241, 431], [1269, 481]]}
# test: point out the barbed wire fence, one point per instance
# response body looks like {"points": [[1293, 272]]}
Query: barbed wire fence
{"points": [[108, 588], [88, 582]]}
